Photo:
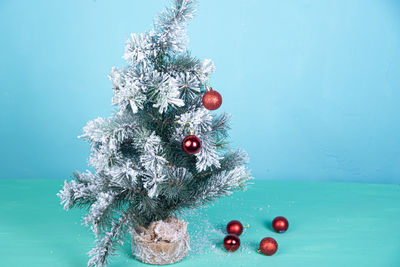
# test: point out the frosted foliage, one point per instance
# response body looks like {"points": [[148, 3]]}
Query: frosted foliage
{"points": [[109, 132], [167, 94], [124, 176], [151, 157], [208, 155], [97, 210], [180, 175], [199, 120], [205, 69], [74, 192], [97, 130], [188, 84], [153, 162], [128, 91], [101, 158], [142, 176], [171, 25], [140, 48], [107, 242], [152, 180]]}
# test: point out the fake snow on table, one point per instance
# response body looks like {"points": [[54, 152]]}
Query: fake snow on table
{"points": [[207, 238]]}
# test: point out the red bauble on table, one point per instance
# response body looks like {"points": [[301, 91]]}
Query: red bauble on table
{"points": [[268, 246], [212, 100], [191, 144], [280, 224], [234, 227], [231, 242]]}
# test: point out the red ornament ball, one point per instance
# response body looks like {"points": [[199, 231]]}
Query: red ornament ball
{"points": [[268, 246], [212, 100], [280, 224], [191, 144], [234, 227], [231, 242]]}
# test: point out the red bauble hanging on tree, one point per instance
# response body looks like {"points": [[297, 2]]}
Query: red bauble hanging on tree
{"points": [[234, 227], [268, 246], [191, 144], [231, 242], [280, 224], [212, 100]]}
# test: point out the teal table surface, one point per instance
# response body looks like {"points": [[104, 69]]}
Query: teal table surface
{"points": [[331, 224]]}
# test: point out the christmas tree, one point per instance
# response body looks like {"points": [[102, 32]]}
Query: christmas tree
{"points": [[162, 151]]}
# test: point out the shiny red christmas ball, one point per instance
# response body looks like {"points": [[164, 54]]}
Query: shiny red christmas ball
{"points": [[231, 242], [268, 246], [212, 100], [280, 224], [191, 144], [234, 227]]}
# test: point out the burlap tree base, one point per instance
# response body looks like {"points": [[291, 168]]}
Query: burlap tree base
{"points": [[163, 242]]}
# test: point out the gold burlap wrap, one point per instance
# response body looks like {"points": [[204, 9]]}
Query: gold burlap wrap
{"points": [[163, 242]]}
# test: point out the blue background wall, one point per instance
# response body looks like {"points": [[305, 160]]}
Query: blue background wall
{"points": [[313, 86]]}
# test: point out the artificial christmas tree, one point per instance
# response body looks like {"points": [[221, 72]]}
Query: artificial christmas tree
{"points": [[144, 171]]}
